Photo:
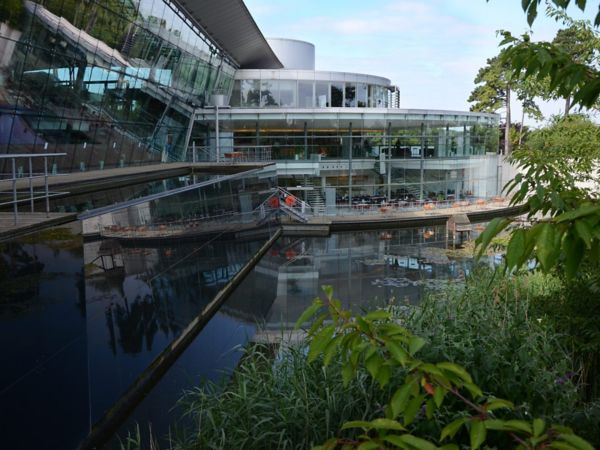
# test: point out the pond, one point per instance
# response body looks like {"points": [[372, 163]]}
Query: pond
{"points": [[79, 321]]}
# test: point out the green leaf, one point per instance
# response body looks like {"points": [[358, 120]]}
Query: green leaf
{"points": [[415, 344], [411, 410], [438, 396], [574, 252], [328, 290], [538, 427], [547, 246], [384, 375], [331, 349], [369, 445], [450, 430], [400, 398], [378, 315], [373, 364], [585, 232], [562, 446], [474, 390], [494, 424], [414, 442], [584, 210], [357, 424], [308, 313], [498, 403], [455, 369], [576, 441], [477, 434], [397, 352], [494, 227], [320, 341], [518, 425], [516, 249], [386, 424], [347, 374]]}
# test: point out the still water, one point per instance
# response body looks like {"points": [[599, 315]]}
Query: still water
{"points": [[79, 321]]}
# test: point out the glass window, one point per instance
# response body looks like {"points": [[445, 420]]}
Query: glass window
{"points": [[250, 93], [305, 94], [236, 94], [269, 93], [337, 95], [361, 95], [287, 93], [350, 99], [321, 94]]}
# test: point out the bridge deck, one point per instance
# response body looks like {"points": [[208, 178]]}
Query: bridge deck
{"points": [[77, 181]]}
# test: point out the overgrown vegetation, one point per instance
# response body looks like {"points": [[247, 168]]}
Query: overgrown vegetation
{"points": [[508, 345]]}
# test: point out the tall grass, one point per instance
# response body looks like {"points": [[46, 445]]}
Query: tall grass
{"points": [[491, 326]]}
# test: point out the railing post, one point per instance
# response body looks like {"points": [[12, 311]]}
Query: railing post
{"points": [[14, 178], [46, 185], [31, 182]]}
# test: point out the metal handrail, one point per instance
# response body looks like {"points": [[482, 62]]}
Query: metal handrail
{"points": [[46, 193]]}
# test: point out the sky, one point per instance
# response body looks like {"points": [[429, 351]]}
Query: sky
{"points": [[431, 49]]}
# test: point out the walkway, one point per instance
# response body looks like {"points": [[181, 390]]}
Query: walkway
{"points": [[94, 179]]}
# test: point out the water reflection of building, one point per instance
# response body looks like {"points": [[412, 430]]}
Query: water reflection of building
{"points": [[363, 267]]}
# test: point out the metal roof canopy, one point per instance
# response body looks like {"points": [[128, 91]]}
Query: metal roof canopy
{"points": [[229, 24]]}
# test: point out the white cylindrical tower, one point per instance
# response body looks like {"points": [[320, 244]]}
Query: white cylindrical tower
{"points": [[294, 54]]}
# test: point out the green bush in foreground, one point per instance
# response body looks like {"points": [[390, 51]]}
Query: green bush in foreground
{"points": [[488, 327]]}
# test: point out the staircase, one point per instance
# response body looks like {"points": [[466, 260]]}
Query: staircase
{"points": [[314, 197], [277, 203]]}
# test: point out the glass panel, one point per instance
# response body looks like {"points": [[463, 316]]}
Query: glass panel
{"points": [[269, 93], [337, 95], [305, 94], [361, 95], [287, 93], [236, 94], [350, 99], [321, 94], [250, 93]]}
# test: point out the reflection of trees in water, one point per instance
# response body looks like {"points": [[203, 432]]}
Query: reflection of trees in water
{"points": [[137, 323], [178, 293], [20, 275]]}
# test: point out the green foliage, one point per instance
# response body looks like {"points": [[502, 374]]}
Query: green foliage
{"points": [[377, 341], [11, 11], [530, 7], [553, 164], [492, 83], [284, 403]]}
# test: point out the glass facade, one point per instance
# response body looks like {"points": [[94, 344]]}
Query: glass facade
{"points": [[308, 94], [396, 154], [108, 82]]}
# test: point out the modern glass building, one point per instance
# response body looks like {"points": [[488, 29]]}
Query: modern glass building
{"points": [[121, 82]]}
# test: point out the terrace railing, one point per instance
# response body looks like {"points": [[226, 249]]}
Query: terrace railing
{"points": [[15, 196]]}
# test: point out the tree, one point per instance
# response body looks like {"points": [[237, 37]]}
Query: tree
{"points": [[558, 171], [496, 83], [530, 8], [493, 92], [11, 11]]}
